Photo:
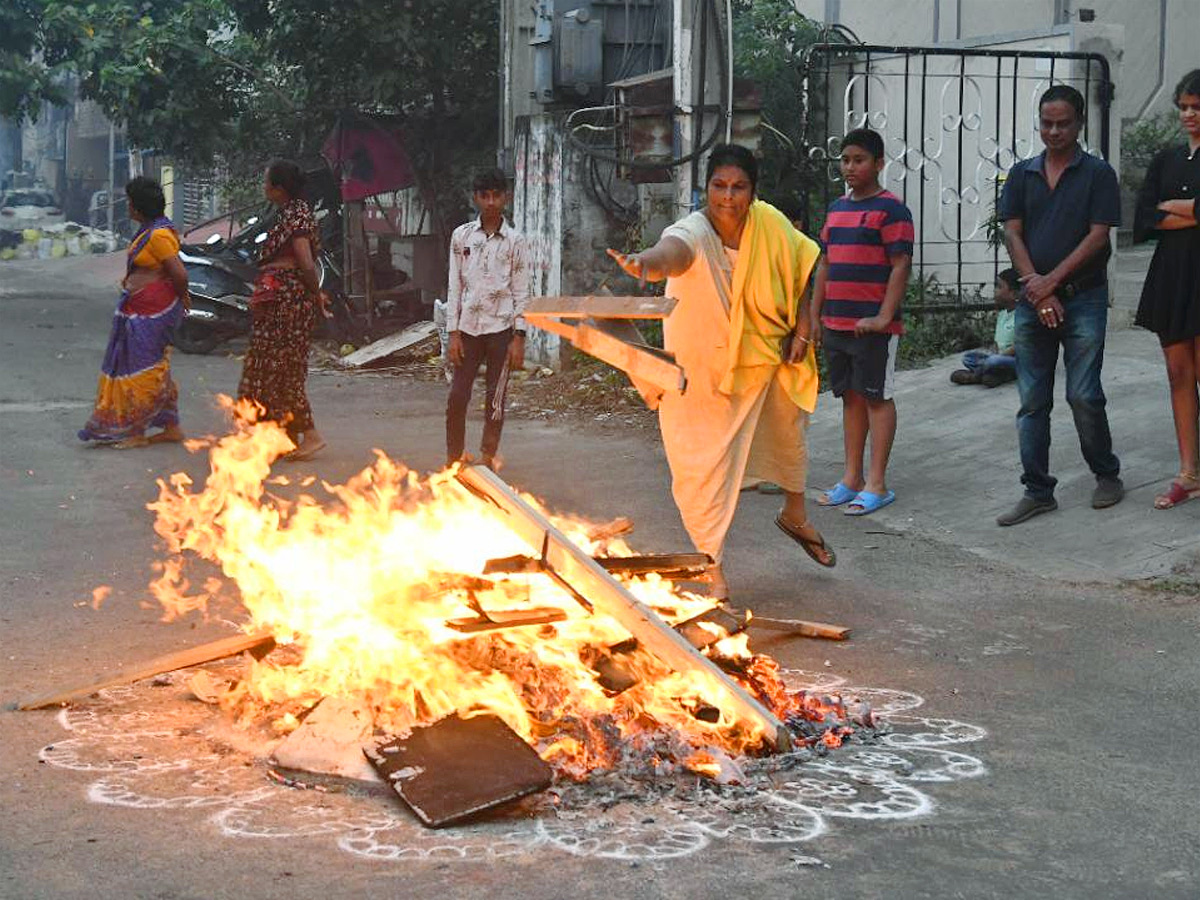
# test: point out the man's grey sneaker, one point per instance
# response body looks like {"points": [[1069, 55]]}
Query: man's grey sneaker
{"points": [[1108, 492], [1025, 509], [964, 376]]}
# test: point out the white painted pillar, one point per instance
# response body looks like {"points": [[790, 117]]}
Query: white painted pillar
{"points": [[682, 57]]}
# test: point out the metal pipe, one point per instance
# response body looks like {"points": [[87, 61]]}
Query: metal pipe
{"points": [[729, 67], [112, 151], [699, 112]]}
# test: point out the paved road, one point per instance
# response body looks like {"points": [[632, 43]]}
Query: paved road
{"points": [[1043, 704]]}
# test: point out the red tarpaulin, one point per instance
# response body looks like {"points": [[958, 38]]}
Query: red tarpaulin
{"points": [[370, 159]]}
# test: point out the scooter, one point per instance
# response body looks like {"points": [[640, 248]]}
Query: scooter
{"points": [[220, 303], [221, 281]]}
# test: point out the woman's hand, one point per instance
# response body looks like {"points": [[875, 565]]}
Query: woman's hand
{"points": [[797, 347], [632, 264], [323, 304]]}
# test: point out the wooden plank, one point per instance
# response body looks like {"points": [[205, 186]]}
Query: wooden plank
{"points": [[546, 323], [393, 343], [602, 307], [457, 768], [803, 628], [492, 620], [672, 566], [260, 643], [609, 596], [651, 370], [606, 531], [639, 363]]}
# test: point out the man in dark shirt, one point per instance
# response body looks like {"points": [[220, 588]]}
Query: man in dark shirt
{"points": [[1057, 209]]}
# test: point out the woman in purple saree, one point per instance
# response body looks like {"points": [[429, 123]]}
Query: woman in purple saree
{"points": [[136, 392]]}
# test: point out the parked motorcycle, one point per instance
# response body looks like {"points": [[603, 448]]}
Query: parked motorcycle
{"points": [[221, 277], [221, 281], [220, 294]]}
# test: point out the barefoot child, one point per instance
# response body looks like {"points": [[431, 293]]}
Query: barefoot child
{"points": [[868, 241]]}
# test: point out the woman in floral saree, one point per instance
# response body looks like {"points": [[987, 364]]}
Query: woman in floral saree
{"points": [[284, 307], [136, 391]]}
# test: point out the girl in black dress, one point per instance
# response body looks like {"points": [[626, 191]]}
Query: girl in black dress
{"points": [[1170, 304]]}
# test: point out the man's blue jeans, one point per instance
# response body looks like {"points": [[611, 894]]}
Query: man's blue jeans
{"points": [[1082, 340], [980, 362]]}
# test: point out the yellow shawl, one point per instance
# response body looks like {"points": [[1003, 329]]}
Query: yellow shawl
{"points": [[774, 264]]}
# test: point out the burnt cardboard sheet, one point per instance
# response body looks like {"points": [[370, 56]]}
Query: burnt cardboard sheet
{"points": [[458, 767]]}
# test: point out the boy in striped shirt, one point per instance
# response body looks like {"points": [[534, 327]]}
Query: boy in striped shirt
{"points": [[868, 244]]}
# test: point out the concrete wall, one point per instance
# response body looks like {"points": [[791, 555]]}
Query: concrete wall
{"points": [[1159, 35]]}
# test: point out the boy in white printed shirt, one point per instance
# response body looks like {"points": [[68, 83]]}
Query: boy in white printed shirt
{"points": [[488, 293]]}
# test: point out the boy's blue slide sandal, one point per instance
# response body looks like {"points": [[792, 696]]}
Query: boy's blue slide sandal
{"points": [[866, 503], [837, 495]]}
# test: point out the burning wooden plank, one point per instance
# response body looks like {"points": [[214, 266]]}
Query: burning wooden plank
{"points": [[457, 768], [607, 531], [492, 619], [671, 566], [259, 644], [585, 576], [803, 628], [613, 672]]}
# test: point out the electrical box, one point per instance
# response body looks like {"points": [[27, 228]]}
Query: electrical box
{"points": [[542, 43], [568, 55], [580, 68]]}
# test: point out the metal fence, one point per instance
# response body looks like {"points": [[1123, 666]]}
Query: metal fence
{"points": [[954, 121], [196, 199]]}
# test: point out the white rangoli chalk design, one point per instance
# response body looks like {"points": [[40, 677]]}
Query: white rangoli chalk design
{"points": [[149, 747]]}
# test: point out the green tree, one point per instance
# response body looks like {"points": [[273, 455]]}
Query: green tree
{"points": [[25, 81], [240, 81], [770, 38]]}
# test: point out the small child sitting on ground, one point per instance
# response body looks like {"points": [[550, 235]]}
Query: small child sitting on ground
{"points": [[996, 364]]}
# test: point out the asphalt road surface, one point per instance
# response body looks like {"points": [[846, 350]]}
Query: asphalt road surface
{"points": [[1044, 733]]}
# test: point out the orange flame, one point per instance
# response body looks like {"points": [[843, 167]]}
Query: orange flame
{"points": [[361, 589]]}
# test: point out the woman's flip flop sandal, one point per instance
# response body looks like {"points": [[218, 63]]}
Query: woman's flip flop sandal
{"points": [[304, 451], [837, 495], [1175, 494], [866, 503], [809, 545]]}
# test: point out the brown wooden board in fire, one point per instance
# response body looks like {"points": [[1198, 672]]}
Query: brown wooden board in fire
{"points": [[459, 767]]}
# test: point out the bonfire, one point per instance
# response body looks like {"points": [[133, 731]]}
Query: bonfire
{"points": [[398, 592]]}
